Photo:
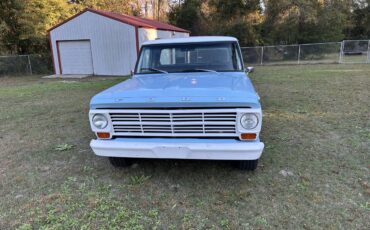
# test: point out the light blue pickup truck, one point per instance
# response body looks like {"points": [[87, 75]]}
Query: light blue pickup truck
{"points": [[189, 98]]}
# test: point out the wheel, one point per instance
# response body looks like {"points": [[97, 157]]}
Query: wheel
{"points": [[120, 162], [249, 165]]}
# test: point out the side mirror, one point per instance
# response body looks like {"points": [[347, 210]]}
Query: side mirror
{"points": [[249, 69]]}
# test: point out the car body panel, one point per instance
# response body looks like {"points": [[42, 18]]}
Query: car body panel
{"points": [[179, 148], [184, 90]]}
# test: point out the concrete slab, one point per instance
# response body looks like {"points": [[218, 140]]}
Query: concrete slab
{"points": [[67, 76]]}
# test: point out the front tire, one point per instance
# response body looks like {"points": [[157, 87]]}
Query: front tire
{"points": [[248, 165], [120, 162]]}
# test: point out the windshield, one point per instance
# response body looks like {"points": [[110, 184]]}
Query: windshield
{"points": [[194, 57]]}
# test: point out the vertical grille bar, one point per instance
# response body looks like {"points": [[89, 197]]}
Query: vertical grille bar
{"points": [[204, 129], [141, 123], [171, 121]]}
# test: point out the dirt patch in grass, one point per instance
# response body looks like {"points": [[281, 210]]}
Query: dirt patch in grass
{"points": [[314, 173]]}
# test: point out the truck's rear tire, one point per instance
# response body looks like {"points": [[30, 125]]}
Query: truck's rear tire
{"points": [[120, 162], [248, 165]]}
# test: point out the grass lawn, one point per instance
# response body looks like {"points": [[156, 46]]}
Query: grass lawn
{"points": [[313, 174]]}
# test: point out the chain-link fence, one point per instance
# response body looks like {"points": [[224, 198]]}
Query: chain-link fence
{"points": [[355, 51], [349, 51], [26, 64]]}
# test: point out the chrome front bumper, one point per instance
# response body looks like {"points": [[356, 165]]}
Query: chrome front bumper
{"points": [[178, 148]]}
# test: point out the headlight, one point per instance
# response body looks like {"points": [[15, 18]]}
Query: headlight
{"points": [[99, 121], [249, 121]]}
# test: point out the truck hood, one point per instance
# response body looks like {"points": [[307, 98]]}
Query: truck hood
{"points": [[180, 90]]}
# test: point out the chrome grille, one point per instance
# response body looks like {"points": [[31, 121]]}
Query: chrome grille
{"points": [[182, 123]]}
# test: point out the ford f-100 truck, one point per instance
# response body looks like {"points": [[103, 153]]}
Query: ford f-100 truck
{"points": [[188, 98]]}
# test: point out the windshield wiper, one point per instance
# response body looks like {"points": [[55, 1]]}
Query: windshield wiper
{"points": [[154, 69], [200, 70]]}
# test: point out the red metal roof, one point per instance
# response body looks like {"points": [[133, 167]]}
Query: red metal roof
{"points": [[131, 20]]}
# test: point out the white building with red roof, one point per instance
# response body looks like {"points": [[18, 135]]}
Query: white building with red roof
{"points": [[103, 43]]}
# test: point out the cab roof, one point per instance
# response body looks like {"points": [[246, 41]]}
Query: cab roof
{"points": [[195, 39]]}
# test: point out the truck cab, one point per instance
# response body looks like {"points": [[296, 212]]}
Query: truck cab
{"points": [[189, 98]]}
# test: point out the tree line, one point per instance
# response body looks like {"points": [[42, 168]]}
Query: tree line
{"points": [[271, 22], [24, 24]]}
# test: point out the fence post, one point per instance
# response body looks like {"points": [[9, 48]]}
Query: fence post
{"points": [[341, 52], [368, 52], [262, 55], [29, 64], [299, 54]]}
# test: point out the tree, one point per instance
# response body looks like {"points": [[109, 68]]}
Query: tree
{"points": [[9, 24], [118, 6], [304, 21], [188, 15], [359, 25], [238, 18], [24, 24], [158, 11], [36, 18]]}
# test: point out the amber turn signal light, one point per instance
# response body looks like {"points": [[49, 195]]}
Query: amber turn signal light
{"points": [[248, 136], [103, 135]]}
